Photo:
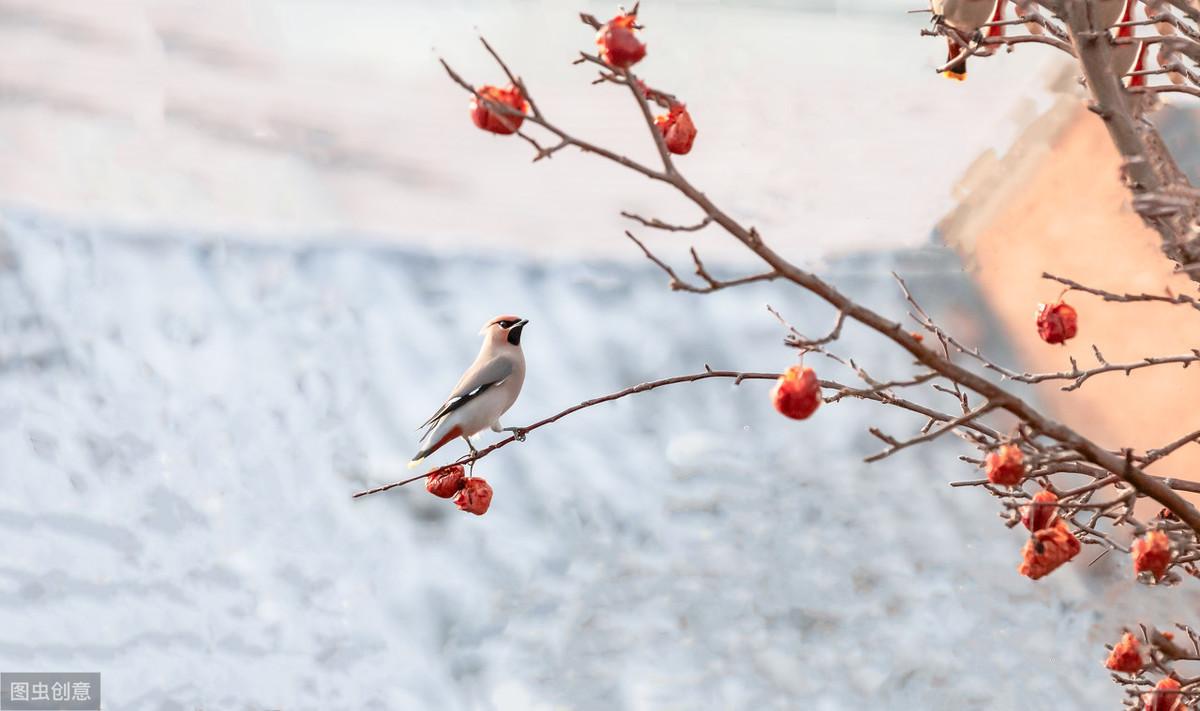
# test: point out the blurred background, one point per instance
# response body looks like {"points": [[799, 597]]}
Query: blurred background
{"points": [[245, 248]]}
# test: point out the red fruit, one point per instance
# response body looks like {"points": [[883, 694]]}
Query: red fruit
{"points": [[797, 393], [1042, 512], [677, 129], [619, 46], [1126, 656], [445, 482], [1152, 553], [1056, 322], [1006, 466], [1047, 549], [475, 497], [1165, 697], [494, 121]]}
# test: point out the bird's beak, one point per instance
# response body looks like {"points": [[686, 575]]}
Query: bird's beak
{"points": [[514, 333]]}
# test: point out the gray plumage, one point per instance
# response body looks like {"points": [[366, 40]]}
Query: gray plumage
{"points": [[484, 392]]}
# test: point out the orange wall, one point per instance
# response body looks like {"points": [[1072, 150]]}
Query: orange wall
{"points": [[1069, 215]]}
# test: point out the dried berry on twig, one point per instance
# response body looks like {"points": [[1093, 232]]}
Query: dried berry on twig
{"points": [[1047, 549], [797, 393], [446, 481], [1057, 322], [489, 119]]}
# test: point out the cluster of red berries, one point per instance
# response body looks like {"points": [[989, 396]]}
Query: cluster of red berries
{"points": [[620, 48], [1053, 544], [471, 494], [1128, 657], [1050, 542]]}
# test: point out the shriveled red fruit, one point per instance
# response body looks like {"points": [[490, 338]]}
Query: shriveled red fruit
{"points": [[1057, 322], [1042, 512], [1005, 466], [1165, 697], [619, 46], [445, 482], [1047, 549], [1152, 553], [1126, 656], [797, 393], [677, 129], [495, 121], [475, 497]]}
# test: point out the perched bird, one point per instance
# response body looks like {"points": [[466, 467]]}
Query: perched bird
{"points": [[966, 17], [484, 393]]}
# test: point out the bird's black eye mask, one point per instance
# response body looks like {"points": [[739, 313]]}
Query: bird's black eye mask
{"points": [[514, 335]]}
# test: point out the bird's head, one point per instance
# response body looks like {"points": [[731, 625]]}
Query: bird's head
{"points": [[504, 330]]}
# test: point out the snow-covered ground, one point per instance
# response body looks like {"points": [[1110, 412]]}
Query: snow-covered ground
{"points": [[183, 419]]}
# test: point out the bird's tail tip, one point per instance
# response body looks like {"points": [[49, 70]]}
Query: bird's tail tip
{"points": [[958, 69]]}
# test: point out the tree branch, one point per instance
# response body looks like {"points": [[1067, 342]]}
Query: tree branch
{"points": [[1129, 142]]}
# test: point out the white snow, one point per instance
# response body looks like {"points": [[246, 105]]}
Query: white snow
{"points": [[176, 471]]}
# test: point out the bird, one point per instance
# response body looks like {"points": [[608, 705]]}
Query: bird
{"points": [[964, 17], [483, 393]]}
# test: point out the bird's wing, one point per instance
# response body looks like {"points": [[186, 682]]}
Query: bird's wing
{"points": [[474, 383]]}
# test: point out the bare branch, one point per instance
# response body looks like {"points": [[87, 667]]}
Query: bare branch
{"points": [[896, 445], [660, 225], [1105, 88], [678, 284], [1123, 298], [737, 378]]}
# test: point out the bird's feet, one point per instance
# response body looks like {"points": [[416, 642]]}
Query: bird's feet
{"points": [[474, 452], [517, 432]]}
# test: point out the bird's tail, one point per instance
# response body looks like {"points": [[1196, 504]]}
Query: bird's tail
{"points": [[958, 70], [441, 433]]}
